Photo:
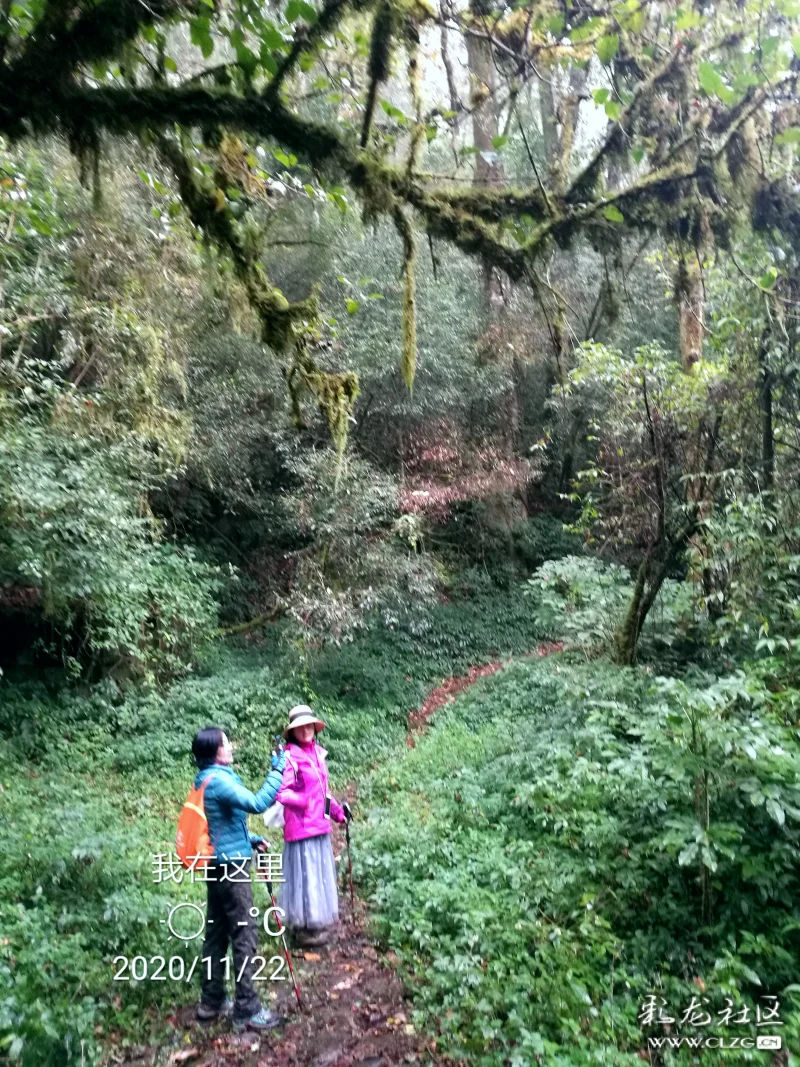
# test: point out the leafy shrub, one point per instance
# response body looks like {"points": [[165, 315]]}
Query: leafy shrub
{"points": [[77, 890], [584, 600], [73, 535], [541, 538], [753, 563], [567, 840], [363, 559]]}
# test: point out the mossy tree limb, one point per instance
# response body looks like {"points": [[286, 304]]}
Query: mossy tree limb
{"points": [[278, 317], [656, 201], [44, 87]]}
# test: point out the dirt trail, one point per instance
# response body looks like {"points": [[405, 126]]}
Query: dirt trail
{"points": [[355, 1014], [452, 687]]}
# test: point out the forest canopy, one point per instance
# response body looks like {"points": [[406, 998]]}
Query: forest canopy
{"points": [[696, 108]]}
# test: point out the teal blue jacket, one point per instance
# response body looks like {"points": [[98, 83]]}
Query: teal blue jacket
{"points": [[227, 804]]}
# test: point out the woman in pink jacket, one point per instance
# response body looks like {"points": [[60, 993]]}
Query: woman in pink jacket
{"points": [[308, 895]]}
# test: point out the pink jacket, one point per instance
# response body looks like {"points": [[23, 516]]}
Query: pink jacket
{"points": [[303, 791]]}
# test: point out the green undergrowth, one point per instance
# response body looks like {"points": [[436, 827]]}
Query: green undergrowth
{"points": [[544, 860], [92, 785]]}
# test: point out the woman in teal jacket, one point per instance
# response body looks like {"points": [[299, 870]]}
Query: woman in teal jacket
{"points": [[227, 804]]}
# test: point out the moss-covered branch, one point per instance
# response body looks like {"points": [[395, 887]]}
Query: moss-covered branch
{"points": [[336, 394], [277, 316], [661, 199], [57, 48]]}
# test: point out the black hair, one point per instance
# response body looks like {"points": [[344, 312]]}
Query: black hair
{"points": [[205, 745]]}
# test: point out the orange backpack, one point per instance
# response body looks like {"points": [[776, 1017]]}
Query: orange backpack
{"points": [[192, 842]]}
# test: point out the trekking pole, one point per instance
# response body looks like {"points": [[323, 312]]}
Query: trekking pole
{"points": [[282, 929], [348, 816]]}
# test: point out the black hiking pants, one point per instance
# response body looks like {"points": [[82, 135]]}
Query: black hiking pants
{"points": [[228, 921]]}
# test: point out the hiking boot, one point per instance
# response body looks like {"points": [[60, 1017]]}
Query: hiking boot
{"points": [[205, 1014], [305, 938], [262, 1020]]}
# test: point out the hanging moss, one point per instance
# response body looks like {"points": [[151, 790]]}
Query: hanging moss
{"points": [[335, 392], [408, 358], [281, 321], [776, 205], [232, 155], [392, 18]]}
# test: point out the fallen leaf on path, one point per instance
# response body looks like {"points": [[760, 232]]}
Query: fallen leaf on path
{"points": [[183, 1055], [313, 956], [346, 984]]}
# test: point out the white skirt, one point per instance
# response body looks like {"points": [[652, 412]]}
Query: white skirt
{"points": [[308, 894]]}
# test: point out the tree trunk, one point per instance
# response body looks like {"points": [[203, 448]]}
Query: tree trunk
{"points": [[626, 638], [645, 591], [452, 89], [483, 93], [559, 114], [547, 114]]}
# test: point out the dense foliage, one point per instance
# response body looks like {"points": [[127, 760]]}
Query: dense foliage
{"points": [[78, 886], [258, 447], [570, 839]]}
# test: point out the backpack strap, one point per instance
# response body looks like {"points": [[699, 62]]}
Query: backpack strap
{"points": [[202, 792]]}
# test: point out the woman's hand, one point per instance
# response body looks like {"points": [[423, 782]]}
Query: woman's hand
{"points": [[278, 761]]}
